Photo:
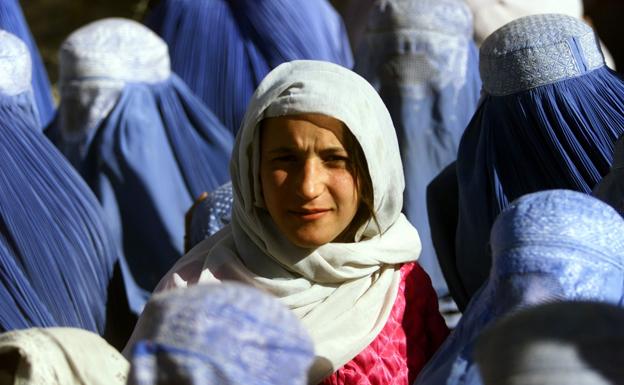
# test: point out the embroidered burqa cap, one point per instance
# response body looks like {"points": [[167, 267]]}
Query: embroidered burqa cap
{"points": [[227, 333]]}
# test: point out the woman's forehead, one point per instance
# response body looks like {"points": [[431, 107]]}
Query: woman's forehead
{"points": [[296, 128]]}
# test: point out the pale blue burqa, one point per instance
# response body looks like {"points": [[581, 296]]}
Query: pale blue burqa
{"points": [[554, 245], [420, 57], [226, 334]]}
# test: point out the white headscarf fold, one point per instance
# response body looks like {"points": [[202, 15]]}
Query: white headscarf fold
{"points": [[342, 292]]}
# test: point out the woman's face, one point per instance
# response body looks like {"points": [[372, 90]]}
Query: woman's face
{"points": [[307, 183]]}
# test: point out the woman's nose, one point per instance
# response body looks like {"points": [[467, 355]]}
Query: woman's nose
{"points": [[311, 182]]}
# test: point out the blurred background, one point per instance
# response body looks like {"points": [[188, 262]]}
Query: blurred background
{"points": [[52, 20]]}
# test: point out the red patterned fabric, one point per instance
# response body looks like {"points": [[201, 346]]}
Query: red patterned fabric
{"points": [[414, 331]]}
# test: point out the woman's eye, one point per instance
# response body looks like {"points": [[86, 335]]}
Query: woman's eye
{"points": [[285, 158], [337, 160]]}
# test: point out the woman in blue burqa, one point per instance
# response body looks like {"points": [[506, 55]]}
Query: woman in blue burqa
{"points": [[57, 256], [12, 20], [555, 245], [224, 48], [145, 144], [420, 57], [549, 118], [225, 334]]}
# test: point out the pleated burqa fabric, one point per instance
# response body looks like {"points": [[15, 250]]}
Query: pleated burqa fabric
{"points": [[561, 343], [223, 48], [56, 253], [611, 187], [225, 334], [420, 57], [12, 20], [142, 140], [549, 118], [548, 246]]}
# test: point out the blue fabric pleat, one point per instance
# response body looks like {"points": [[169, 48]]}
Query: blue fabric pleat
{"points": [[223, 49], [156, 151], [56, 254], [559, 135], [12, 20]]}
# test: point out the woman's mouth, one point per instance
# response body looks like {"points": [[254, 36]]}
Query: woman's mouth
{"points": [[309, 214]]}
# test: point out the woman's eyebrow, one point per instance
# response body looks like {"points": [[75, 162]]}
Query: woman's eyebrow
{"points": [[282, 149], [334, 150]]}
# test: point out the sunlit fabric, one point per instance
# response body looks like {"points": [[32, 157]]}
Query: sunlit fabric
{"points": [[420, 57], [56, 254], [143, 142], [550, 116], [59, 356], [224, 48], [554, 245], [561, 343], [212, 214], [12, 20], [226, 334], [611, 187]]}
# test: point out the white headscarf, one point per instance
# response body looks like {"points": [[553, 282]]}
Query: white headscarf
{"points": [[342, 292]]}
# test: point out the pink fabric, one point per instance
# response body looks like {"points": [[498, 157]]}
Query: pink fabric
{"points": [[414, 331]]}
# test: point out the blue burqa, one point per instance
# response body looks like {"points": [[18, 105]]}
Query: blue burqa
{"points": [[56, 252], [550, 116], [420, 57], [547, 246], [12, 20], [223, 48], [142, 140], [226, 334]]}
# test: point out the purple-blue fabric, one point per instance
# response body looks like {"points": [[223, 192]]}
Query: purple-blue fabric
{"points": [[223, 49]]}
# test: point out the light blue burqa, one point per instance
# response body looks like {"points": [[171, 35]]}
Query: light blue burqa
{"points": [[225, 334], [546, 246], [420, 57]]}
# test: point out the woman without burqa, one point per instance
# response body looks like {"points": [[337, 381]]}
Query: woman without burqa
{"points": [[318, 185]]}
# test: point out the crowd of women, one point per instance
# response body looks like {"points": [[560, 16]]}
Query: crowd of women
{"points": [[272, 192]]}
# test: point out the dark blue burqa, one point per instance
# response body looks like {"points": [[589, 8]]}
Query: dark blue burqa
{"points": [[551, 114]]}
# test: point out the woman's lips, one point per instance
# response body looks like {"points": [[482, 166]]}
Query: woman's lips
{"points": [[309, 214]]}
